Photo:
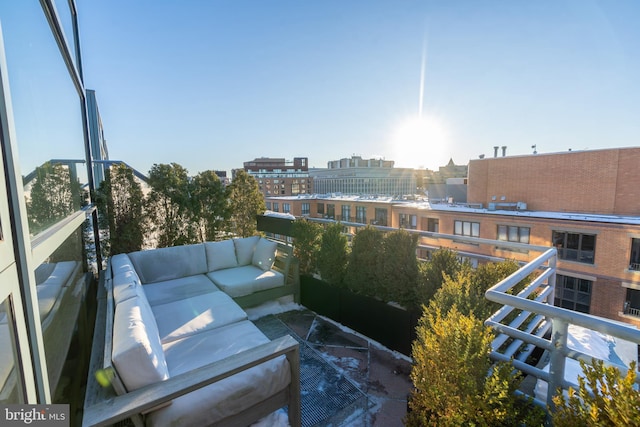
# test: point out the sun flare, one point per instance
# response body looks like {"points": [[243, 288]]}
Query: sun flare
{"points": [[421, 142]]}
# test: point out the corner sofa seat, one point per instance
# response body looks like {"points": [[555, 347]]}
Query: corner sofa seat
{"points": [[170, 318]]}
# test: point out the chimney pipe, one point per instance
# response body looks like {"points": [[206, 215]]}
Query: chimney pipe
{"points": [[504, 150], [495, 151]]}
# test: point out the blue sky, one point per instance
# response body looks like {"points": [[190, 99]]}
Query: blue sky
{"points": [[211, 84]]}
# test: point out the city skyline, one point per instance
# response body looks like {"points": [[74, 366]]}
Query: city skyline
{"points": [[210, 85]]}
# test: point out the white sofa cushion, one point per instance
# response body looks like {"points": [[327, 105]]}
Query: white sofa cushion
{"points": [[179, 319], [177, 289], [124, 284], [240, 281], [120, 262], [244, 249], [47, 297], [220, 255], [230, 396], [264, 254], [137, 352], [169, 263]]}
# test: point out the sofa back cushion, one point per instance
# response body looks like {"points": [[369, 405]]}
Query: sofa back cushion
{"points": [[220, 255], [162, 264], [137, 352], [264, 255], [244, 249]]}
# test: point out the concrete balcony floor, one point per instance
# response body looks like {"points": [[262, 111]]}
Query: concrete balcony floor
{"points": [[346, 380]]}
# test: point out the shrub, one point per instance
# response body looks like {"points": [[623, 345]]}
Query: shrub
{"points": [[399, 268], [307, 236], [364, 262], [332, 257], [443, 263], [604, 398], [452, 383]]}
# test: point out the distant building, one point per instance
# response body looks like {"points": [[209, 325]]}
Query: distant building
{"points": [[586, 204], [448, 183], [278, 177], [356, 175]]}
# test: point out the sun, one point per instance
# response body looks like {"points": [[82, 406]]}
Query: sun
{"points": [[420, 142]]}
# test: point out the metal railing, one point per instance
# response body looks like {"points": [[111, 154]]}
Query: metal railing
{"points": [[533, 321]]}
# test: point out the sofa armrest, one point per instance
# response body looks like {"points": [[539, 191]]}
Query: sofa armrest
{"points": [[121, 407]]}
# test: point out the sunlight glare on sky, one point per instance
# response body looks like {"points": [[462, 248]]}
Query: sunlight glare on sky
{"points": [[212, 84]]}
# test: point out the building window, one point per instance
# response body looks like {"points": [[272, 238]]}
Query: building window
{"points": [[380, 217], [268, 205], [361, 214], [408, 221], [286, 207], [466, 228], [331, 210], [512, 233], [634, 260], [632, 303], [321, 209], [573, 293], [575, 246], [276, 207], [295, 188], [306, 208], [432, 224], [346, 212]]}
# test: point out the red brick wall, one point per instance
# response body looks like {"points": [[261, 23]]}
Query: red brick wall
{"points": [[596, 181]]}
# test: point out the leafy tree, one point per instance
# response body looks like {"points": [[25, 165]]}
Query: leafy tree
{"points": [[333, 255], [53, 196], [399, 268], [454, 384], [209, 205], [467, 287], [120, 203], [307, 236], [245, 202], [604, 398], [443, 263], [169, 205], [363, 269]]}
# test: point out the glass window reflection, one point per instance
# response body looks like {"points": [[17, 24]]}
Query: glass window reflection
{"points": [[9, 392], [46, 106]]}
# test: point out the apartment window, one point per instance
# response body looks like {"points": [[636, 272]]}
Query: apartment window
{"points": [[380, 217], [632, 303], [431, 224], [634, 260], [306, 208], [276, 207], [512, 233], [361, 214], [286, 207], [573, 293], [321, 209], [268, 205], [408, 221], [331, 210], [466, 228], [346, 212], [295, 188], [575, 246]]}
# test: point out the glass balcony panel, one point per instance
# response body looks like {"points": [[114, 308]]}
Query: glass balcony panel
{"points": [[9, 392], [47, 115]]}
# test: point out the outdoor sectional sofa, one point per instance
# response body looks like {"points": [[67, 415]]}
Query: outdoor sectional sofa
{"points": [[179, 349]]}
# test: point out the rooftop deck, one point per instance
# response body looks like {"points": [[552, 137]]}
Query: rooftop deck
{"points": [[346, 380]]}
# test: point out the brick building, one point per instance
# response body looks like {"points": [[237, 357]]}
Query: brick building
{"points": [[278, 177], [586, 204]]}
